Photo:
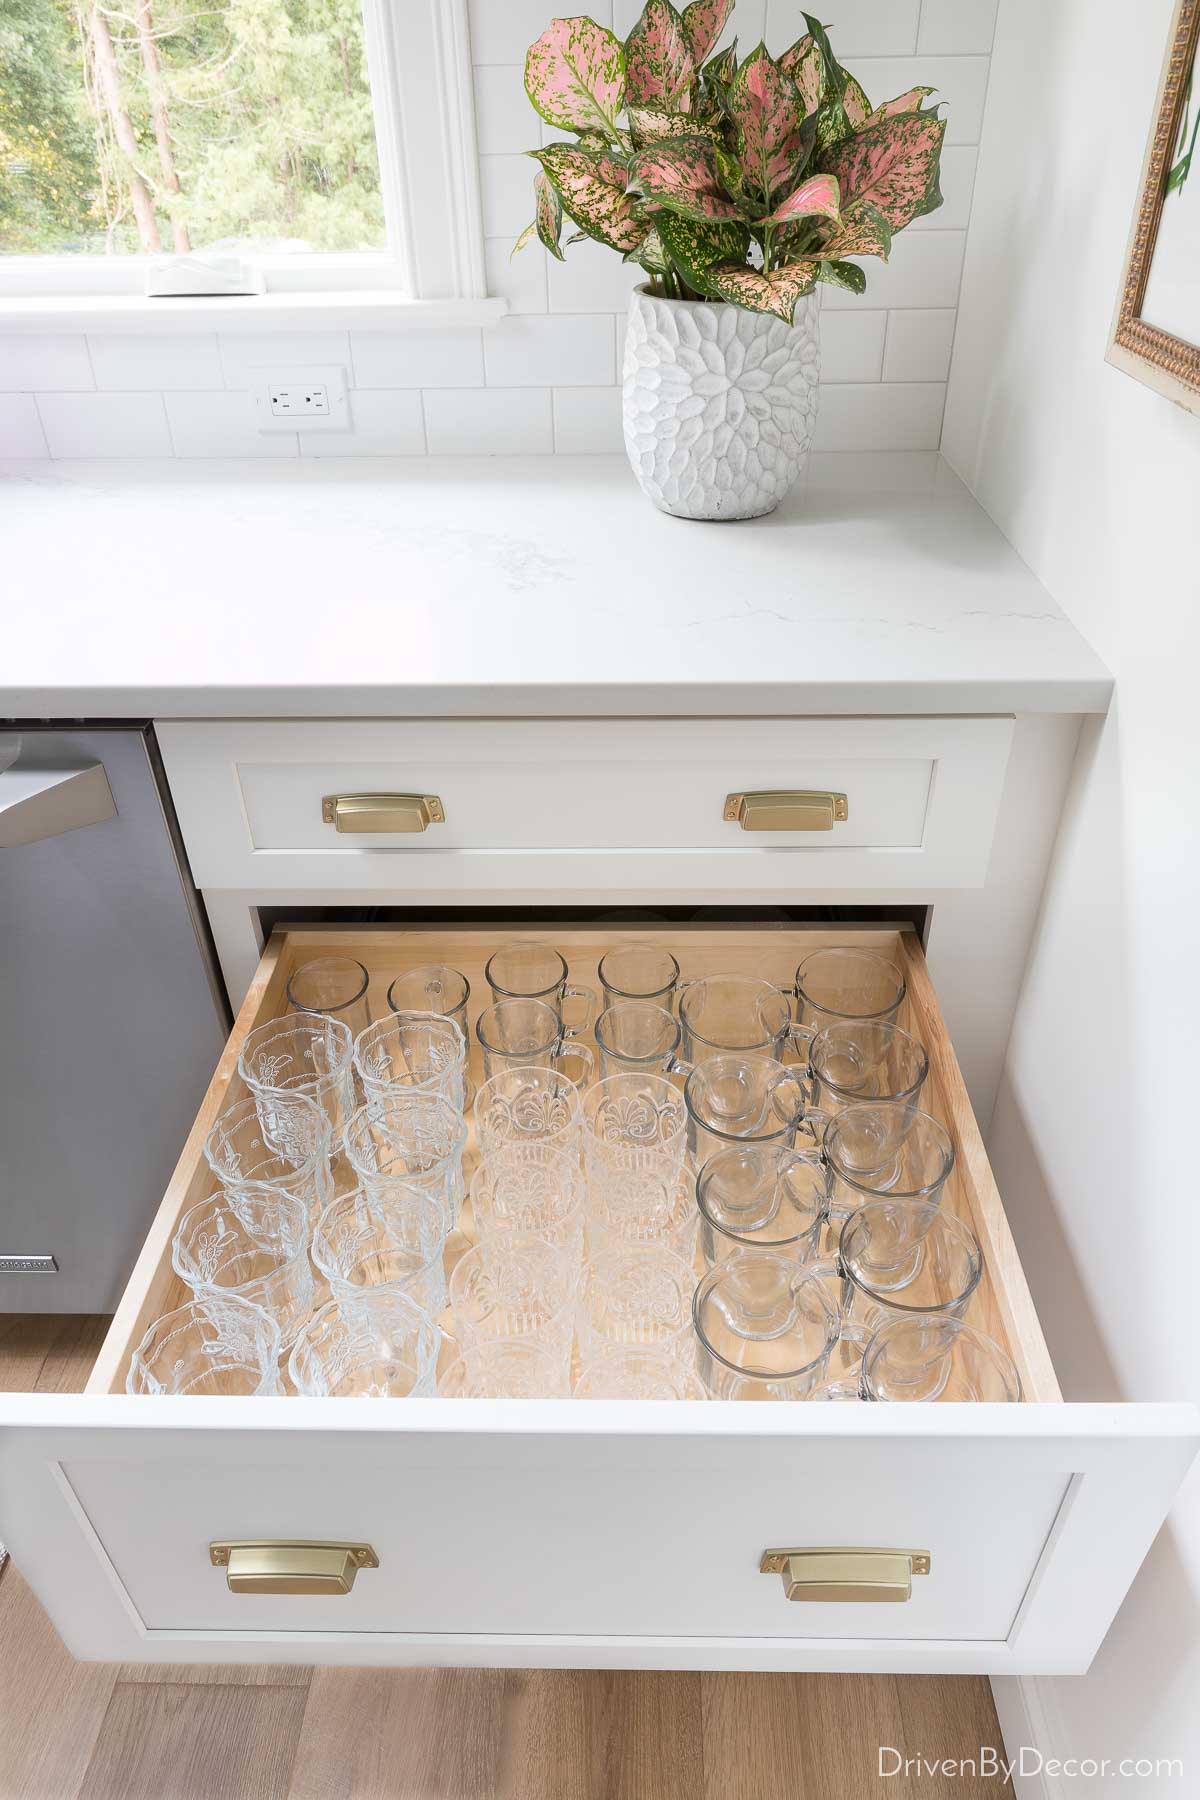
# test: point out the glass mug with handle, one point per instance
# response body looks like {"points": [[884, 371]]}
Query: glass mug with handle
{"points": [[534, 971], [638, 972], [843, 982], [930, 1357], [886, 1149], [432, 987], [637, 1036], [744, 1099], [768, 1197], [897, 1258], [855, 1060], [765, 1326], [520, 1031], [334, 986]]}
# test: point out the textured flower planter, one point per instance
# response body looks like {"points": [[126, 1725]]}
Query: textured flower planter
{"points": [[719, 403]]}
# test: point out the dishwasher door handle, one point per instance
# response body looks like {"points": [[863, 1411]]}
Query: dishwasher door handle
{"points": [[37, 803]]}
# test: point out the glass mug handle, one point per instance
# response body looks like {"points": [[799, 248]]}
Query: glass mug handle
{"points": [[568, 1050], [798, 1039], [590, 1010]]}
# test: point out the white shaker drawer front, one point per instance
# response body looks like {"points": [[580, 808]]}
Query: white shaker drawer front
{"points": [[595, 804]]}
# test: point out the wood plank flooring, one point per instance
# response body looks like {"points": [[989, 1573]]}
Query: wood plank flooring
{"points": [[92, 1731]]}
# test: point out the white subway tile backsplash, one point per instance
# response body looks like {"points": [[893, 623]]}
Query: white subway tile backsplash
{"points": [[591, 278], [223, 424], [880, 416], [587, 420], [957, 27], [246, 354], [502, 30], [186, 360], [923, 270], [851, 344], [856, 27], [958, 184], [21, 431], [105, 425], [56, 360], [505, 122], [488, 421], [549, 352], [506, 192], [387, 422], [419, 356], [960, 81], [519, 278], [918, 345]]}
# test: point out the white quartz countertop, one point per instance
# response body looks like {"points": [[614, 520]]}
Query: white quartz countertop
{"points": [[528, 586]]}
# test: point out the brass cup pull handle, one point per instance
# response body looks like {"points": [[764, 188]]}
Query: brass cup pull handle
{"points": [[850, 1574], [382, 812], [786, 809], [290, 1565]]}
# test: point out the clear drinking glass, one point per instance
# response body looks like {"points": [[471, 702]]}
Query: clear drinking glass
{"points": [[531, 1189], [335, 986], [627, 1118], [514, 1033], [733, 1098], [844, 983], [393, 1240], [380, 1345], [284, 1143], [761, 1197], [301, 1054], [505, 1369], [521, 971], [650, 1202], [636, 1037], [899, 1257], [640, 1372], [216, 1344], [528, 1104], [733, 1013], [885, 1149], [409, 1137], [515, 1286], [433, 987], [422, 1052], [936, 1359], [856, 1060], [638, 972], [252, 1243], [633, 1294], [765, 1328]]}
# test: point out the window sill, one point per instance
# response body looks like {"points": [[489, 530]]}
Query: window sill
{"points": [[361, 310]]}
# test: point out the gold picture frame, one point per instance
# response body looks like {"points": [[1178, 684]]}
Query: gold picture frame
{"points": [[1151, 352]]}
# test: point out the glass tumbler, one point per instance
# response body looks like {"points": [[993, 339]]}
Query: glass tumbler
{"points": [[639, 1372], [301, 1054], [628, 1118], [514, 1033], [733, 1013], [394, 1240], [936, 1359], [380, 1345], [844, 983], [284, 1143], [252, 1243], [433, 987], [522, 971], [897, 1257], [765, 1328], [856, 1060], [335, 986], [216, 1344], [528, 1103], [761, 1197], [516, 1286], [638, 972], [422, 1052], [409, 1137], [505, 1369], [651, 1202], [532, 1189], [636, 1037], [734, 1098], [884, 1149], [633, 1294]]}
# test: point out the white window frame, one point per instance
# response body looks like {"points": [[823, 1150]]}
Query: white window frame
{"points": [[432, 269]]}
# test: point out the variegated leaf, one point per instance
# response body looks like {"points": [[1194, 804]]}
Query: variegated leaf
{"points": [[704, 21], [720, 70], [904, 103], [658, 63], [682, 175], [575, 76], [843, 275], [526, 237], [649, 254], [694, 248], [893, 165], [833, 76], [765, 106], [858, 107], [861, 231], [819, 194], [650, 125], [775, 293], [804, 63], [592, 190]]}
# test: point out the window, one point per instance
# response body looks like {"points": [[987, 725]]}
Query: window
{"points": [[283, 131]]}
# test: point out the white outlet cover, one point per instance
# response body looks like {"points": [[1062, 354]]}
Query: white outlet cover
{"points": [[269, 377]]}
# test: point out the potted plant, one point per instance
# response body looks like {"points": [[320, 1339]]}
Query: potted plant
{"points": [[737, 187]]}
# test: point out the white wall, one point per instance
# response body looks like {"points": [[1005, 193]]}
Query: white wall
{"points": [[1096, 480], [546, 377]]}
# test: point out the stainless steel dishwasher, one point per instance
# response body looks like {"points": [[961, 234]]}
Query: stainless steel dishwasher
{"points": [[112, 1009]]}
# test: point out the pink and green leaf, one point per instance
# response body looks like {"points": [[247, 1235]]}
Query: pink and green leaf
{"points": [[819, 194], [703, 22], [805, 64], [548, 214], [858, 107], [650, 125], [592, 191], [694, 248], [893, 166], [682, 175], [861, 231], [846, 275], [575, 76], [904, 103], [765, 106], [757, 291], [659, 65]]}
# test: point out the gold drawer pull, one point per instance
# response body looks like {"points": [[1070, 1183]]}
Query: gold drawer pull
{"points": [[846, 1574], [382, 812], [291, 1565], [786, 809]]}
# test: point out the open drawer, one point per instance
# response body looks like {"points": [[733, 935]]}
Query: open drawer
{"points": [[591, 1534]]}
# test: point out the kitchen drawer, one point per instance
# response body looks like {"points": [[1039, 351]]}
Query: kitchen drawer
{"points": [[590, 1534], [566, 804]]}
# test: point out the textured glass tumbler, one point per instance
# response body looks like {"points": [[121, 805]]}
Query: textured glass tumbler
{"points": [[378, 1346], [761, 1197], [640, 1372], [651, 1202], [515, 1286], [844, 983], [637, 1037], [528, 1104], [633, 1294], [336, 987], [433, 987], [301, 1054], [734, 1098], [283, 1142], [412, 1052], [505, 1369], [885, 1149], [531, 1189], [514, 1033], [898, 1257], [393, 1240], [252, 1242], [936, 1359], [765, 1328], [216, 1344], [522, 971], [638, 972], [856, 1060], [408, 1137], [629, 1118]]}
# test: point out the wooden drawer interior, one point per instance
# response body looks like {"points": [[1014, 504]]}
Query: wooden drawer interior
{"points": [[1003, 1306]]}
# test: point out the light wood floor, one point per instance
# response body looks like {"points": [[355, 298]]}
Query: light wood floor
{"points": [[91, 1731]]}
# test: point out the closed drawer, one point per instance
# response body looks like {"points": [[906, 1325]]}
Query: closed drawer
{"points": [[600, 1533], [588, 803]]}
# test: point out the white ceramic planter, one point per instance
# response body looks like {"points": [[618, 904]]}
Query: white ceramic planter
{"points": [[719, 403]]}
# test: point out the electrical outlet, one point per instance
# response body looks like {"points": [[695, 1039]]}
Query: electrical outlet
{"points": [[300, 399]]}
